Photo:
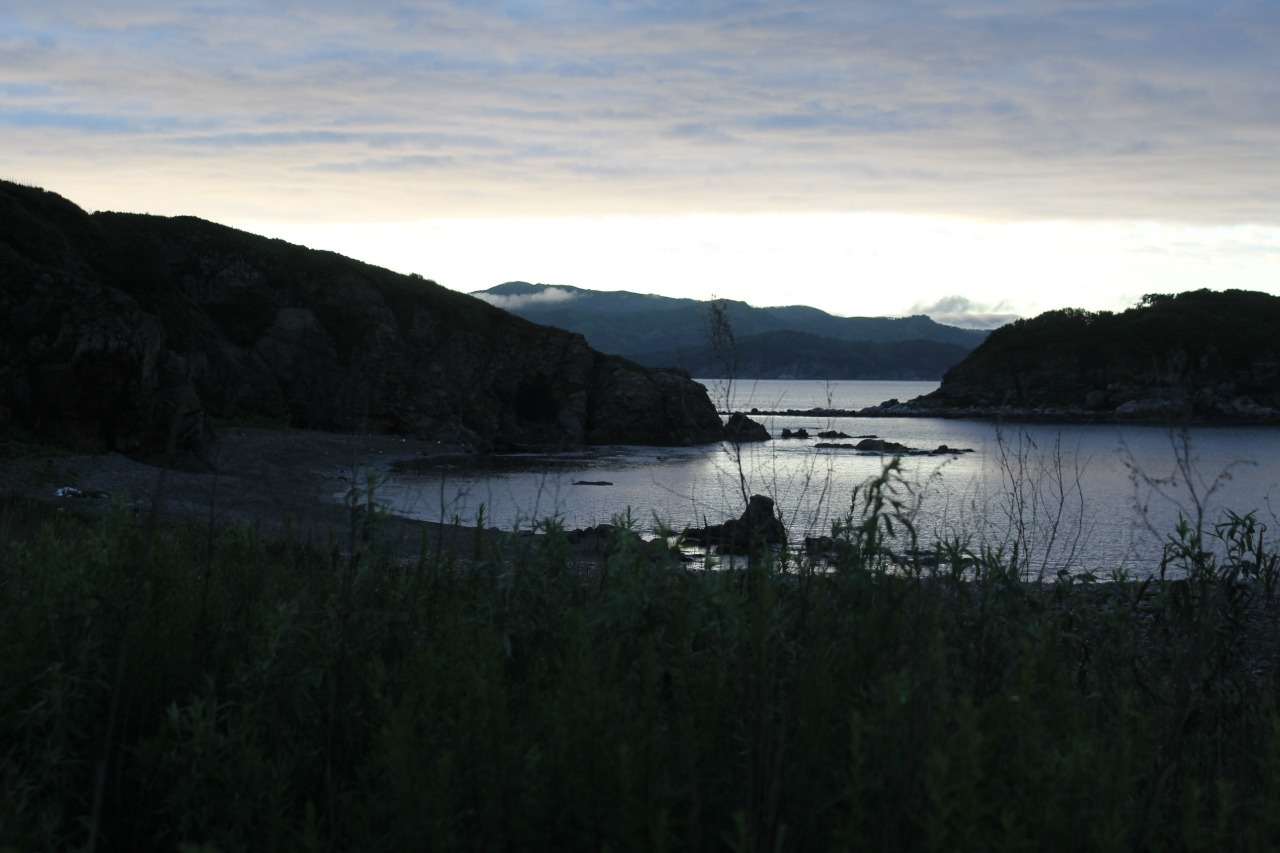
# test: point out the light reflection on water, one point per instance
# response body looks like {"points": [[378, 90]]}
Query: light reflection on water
{"points": [[1066, 492]]}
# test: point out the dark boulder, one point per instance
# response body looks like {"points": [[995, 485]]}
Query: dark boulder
{"points": [[741, 429], [754, 531]]}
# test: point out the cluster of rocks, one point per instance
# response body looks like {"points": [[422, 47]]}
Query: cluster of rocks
{"points": [[756, 530], [804, 433], [881, 446], [816, 412], [739, 424]]}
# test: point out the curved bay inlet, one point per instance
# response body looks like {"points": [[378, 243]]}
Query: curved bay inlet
{"points": [[1082, 497]]}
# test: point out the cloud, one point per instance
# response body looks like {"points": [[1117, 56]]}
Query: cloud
{"points": [[512, 302], [1043, 109], [961, 311]]}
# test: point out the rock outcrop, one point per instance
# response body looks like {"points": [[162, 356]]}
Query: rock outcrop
{"points": [[740, 429], [129, 332], [85, 364]]}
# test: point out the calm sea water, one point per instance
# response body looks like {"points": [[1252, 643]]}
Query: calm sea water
{"points": [[1084, 497]]}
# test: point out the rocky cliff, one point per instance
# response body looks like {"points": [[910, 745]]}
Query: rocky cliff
{"points": [[1202, 355], [130, 332]]}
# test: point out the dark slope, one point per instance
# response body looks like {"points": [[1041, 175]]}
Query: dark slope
{"points": [[127, 330]]}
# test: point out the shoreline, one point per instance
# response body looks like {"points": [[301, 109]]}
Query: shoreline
{"points": [[279, 481], [1020, 415]]}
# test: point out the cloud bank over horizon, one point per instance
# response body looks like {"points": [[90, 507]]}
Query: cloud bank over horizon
{"points": [[956, 310]]}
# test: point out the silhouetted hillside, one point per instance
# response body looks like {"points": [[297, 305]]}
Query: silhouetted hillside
{"points": [[1203, 354], [127, 331]]}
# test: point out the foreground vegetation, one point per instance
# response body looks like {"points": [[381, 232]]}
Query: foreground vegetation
{"points": [[193, 688]]}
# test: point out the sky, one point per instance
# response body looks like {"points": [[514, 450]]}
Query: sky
{"points": [[975, 161]]}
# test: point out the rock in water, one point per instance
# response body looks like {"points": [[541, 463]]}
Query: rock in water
{"points": [[755, 530], [741, 429]]}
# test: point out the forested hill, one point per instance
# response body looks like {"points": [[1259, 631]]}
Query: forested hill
{"points": [[792, 341], [1199, 355]]}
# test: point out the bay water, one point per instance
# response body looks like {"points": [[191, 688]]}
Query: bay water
{"points": [[1081, 497]]}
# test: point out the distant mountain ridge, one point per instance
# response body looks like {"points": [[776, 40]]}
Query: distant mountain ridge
{"points": [[792, 341]]}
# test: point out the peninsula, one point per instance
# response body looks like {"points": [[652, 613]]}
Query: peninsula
{"points": [[1200, 356]]}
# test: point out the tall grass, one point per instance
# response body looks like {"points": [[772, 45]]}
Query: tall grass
{"points": [[164, 688]]}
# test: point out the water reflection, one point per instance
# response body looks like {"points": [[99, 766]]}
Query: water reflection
{"points": [[1081, 496]]}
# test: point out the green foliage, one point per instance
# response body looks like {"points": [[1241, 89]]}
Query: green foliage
{"points": [[185, 688]]}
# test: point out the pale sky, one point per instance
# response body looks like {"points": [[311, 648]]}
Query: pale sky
{"points": [[972, 160]]}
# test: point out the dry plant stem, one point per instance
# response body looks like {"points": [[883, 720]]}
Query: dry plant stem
{"points": [[1185, 476], [725, 348], [1044, 503]]}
